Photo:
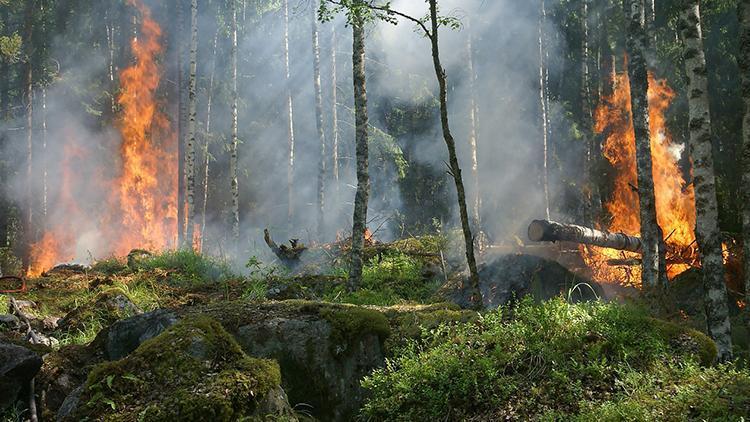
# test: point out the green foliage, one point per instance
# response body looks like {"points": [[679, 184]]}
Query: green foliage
{"points": [[187, 267], [110, 266], [194, 371], [387, 279], [552, 359], [9, 263], [10, 48]]}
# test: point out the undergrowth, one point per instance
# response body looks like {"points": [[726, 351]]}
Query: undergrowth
{"points": [[558, 361]]}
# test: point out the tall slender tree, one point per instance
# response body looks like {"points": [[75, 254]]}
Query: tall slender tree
{"points": [[361, 122], [290, 120], [29, 104], [744, 17], [319, 123], [593, 199], [455, 169], [207, 137], [653, 268], [233, 162], [181, 120], [191, 129], [334, 111], [704, 180], [473, 133], [543, 105]]}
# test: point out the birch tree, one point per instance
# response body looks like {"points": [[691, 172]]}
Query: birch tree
{"points": [[206, 154], [290, 119], [473, 133], [744, 17], [544, 110], [704, 180], [234, 139], [190, 148], [653, 266], [28, 91], [334, 111], [319, 123]]}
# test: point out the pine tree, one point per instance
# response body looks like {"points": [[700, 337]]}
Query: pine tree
{"points": [[744, 61], [319, 123], [361, 121]]}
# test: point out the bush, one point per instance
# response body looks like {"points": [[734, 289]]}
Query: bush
{"points": [[554, 361]]}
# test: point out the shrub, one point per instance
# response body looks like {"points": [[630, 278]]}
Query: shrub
{"points": [[551, 361]]}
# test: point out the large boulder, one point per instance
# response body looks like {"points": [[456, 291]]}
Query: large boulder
{"points": [[324, 350], [18, 366], [511, 277], [193, 371]]}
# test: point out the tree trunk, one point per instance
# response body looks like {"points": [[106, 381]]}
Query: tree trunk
{"points": [[29, 97], [550, 231], [543, 104], [190, 149], [650, 16], [453, 158], [744, 15], [653, 266], [180, 125], [334, 111], [594, 202], [206, 156], [473, 129], [290, 120], [361, 121], [704, 180], [319, 123], [234, 141]]}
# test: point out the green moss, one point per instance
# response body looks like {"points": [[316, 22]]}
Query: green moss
{"points": [[194, 371], [687, 340], [110, 266], [350, 323]]}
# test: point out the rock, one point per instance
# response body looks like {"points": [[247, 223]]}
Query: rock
{"points": [[63, 371], [69, 405], [51, 323], [10, 321], [323, 350], [18, 366], [686, 294], [193, 371], [511, 277], [126, 335]]}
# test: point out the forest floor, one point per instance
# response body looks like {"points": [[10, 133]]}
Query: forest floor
{"points": [[297, 345]]}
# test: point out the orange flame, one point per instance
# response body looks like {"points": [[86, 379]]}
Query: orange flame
{"points": [[140, 210], [675, 201], [146, 190]]}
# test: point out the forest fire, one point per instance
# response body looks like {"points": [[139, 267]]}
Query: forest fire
{"points": [[140, 208], [675, 204]]}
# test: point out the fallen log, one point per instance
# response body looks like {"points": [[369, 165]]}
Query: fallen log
{"points": [[551, 231]]}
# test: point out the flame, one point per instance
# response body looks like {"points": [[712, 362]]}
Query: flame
{"points": [[675, 199], [146, 190], [138, 208]]}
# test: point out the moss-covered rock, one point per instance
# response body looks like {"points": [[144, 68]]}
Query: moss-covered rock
{"points": [[194, 371]]}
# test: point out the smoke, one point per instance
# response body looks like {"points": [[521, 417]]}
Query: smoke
{"points": [[408, 169]]}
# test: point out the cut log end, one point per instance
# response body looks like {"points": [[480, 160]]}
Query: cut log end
{"points": [[537, 230]]}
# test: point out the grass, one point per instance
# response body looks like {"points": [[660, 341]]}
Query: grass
{"points": [[391, 278]]}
